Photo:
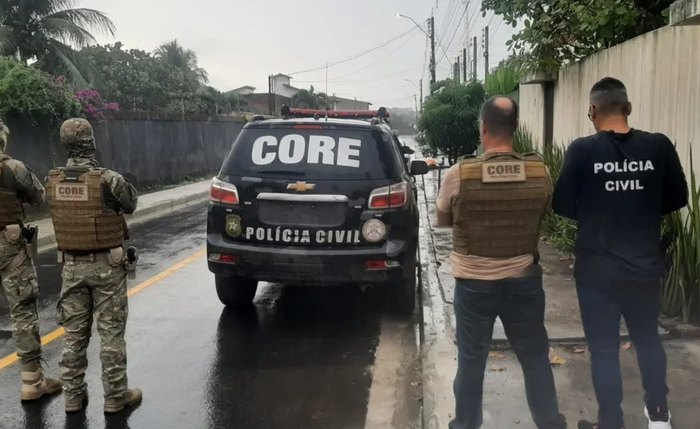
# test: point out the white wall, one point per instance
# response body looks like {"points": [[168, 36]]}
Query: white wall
{"points": [[662, 73], [279, 87]]}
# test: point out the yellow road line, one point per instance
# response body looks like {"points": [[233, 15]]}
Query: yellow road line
{"points": [[58, 333]]}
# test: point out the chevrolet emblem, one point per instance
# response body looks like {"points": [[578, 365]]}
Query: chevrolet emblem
{"points": [[301, 187]]}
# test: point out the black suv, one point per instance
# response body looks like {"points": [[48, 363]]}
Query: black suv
{"points": [[314, 198]]}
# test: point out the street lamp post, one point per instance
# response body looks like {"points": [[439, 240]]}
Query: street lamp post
{"points": [[431, 36], [420, 88]]}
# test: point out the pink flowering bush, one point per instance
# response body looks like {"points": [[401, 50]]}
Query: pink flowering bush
{"points": [[94, 106]]}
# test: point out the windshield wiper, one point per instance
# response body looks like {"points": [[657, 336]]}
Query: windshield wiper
{"points": [[285, 172]]}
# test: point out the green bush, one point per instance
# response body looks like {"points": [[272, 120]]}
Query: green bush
{"points": [[559, 231], [682, 289], [450, 119], [26, 91]]}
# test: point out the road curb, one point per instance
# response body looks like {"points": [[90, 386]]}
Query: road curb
{"points": [[48, 242]]}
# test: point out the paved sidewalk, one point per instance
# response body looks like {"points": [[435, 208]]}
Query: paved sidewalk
{"points": [[505, 406], [149, 206]]}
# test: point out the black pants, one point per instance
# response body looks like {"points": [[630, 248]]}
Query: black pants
{"points": [[519, 302], [603, 304]]}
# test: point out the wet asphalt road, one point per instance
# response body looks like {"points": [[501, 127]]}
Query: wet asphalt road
{"points": [[300, 358]]}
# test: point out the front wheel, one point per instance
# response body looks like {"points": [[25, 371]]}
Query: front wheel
{"points": [[235, 291]]}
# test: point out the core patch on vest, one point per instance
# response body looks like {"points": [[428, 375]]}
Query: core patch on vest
{"points": [[503, 172], [72, 192]]}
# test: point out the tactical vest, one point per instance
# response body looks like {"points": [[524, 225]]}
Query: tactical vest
{"points": [[80, 219], [11, 210], [500, 205]]}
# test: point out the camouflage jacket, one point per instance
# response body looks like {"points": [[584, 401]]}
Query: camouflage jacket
{"points": [[29, 187], [123, 198]]}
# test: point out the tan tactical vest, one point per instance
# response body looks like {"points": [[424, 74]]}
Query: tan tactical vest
{"points": [[11, 210], [500, 205], [80, 219]]}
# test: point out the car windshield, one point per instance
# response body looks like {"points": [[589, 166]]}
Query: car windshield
{"points": [[317, 154]]}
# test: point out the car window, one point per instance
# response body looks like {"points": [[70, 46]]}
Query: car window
{"points": [[313, 153]]}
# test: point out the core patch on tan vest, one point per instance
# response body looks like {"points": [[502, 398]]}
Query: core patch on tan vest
{"points": [[72, 192], [503, 172]]}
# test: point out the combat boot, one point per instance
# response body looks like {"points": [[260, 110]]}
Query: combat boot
{"points": [[35, 385], [76, 403], [132, 398]]}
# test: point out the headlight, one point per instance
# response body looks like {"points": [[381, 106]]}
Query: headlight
{"points": [[374, 230]]}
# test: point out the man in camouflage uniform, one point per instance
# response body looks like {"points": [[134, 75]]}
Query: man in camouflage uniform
{"points": [[94, 273], [19, 185]]}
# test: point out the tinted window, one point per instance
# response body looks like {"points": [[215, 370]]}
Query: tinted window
{"points": [[325, 153]]}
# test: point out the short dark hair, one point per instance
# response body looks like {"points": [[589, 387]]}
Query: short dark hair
{"points": [[499, 120], [609, 96]]}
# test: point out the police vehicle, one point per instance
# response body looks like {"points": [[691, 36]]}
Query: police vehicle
{"points": [[315, 198]]}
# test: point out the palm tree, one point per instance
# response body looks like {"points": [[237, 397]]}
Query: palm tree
{"points": [[48, 30], [185, 60]]}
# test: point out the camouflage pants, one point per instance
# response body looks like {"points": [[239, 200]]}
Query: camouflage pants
{"points": [[94, 287], [22, 291]]}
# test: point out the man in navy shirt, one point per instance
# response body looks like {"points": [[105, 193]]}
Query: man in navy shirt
{"points": [[618, 184]]}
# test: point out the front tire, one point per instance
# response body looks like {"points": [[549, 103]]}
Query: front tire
{"points": [[235, 291]]}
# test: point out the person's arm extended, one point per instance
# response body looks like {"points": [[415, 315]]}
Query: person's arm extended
{"points": [[448, 190], [675, 192], [566, 189]]}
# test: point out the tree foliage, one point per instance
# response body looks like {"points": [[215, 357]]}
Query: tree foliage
{"points": [[26, 91], [47, 31], [310, 99], [161, 82], [557, 32], [504, 80], [450, 119]]}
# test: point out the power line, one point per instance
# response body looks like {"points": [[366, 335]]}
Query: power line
{"points": [[448, 20], [356, 56], [367, 80], [461, 20], [384, 58]]}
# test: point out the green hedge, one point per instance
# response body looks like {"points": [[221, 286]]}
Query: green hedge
{"points": [[559, 231], [27, 91], [682, 289]]}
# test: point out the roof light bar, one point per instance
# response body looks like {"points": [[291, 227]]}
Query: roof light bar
{"points": [[381, 113]]}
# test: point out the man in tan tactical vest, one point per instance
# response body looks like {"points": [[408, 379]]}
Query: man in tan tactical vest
{"points": [[87, 207], [19, 185], [495, 204]]}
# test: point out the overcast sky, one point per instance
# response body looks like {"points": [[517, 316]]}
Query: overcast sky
{"points": [[242, 42]]}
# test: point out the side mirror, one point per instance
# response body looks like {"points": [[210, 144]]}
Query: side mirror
{"points": [[405, 150], [418, 168]]}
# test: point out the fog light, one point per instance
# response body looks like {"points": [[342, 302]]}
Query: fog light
{"points": [[382, 265], [374, 230], [223, 258]]}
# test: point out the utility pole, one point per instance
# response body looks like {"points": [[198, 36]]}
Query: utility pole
{"points": [[455, 70], [432, 53], [415, 99], [271, 96], [486, 53], [476, 52], [421, 96], [465, 66]]}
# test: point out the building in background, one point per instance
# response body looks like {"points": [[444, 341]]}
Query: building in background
{"points": [[340, 103], [281, 92]]}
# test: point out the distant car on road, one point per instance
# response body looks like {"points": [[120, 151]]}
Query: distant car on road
{"points": [[315, 198]]}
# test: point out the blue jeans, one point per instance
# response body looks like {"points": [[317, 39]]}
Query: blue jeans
{"points": [[519, 302], [603, 304]]}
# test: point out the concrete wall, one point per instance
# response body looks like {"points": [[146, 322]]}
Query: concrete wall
{"points": [[152, 149], [662, 73], [532, 110]]}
